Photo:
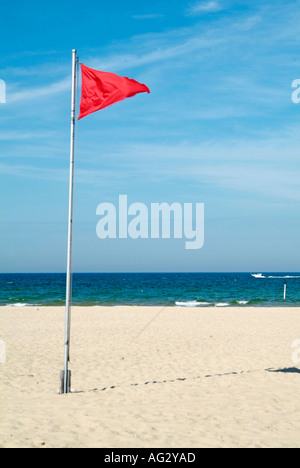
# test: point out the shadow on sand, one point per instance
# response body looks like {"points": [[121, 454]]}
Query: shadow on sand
{"points": [[286, 370]]}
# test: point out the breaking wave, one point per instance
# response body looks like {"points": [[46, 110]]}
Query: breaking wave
{"points": [[193, 304], [261, 276], [211, 304], [20, 304]]}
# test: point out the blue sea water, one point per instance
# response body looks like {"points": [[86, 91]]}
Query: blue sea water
{"points": [[152, 289]]}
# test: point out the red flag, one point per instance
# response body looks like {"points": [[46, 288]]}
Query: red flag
{"points": [[102, 89]]}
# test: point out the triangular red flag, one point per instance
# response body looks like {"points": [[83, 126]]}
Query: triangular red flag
{"points": [[102, 89]]}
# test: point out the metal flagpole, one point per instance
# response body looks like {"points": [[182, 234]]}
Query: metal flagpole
{"points": [[65, 375]]}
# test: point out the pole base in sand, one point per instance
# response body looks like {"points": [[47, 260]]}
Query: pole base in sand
{"points": [[65, 385]]}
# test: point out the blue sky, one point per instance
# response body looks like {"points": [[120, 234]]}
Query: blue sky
{"points": [[219, 128]]}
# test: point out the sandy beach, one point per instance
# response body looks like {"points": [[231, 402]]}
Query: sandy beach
{"points": [[151, 377]]}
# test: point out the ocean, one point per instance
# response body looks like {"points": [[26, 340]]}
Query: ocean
{"points": [[153, 289]]}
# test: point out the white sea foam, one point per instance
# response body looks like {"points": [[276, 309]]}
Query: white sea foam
{"points": [[260, 275], [20, 304], [192, 304], [243, 302], [222, 304], [283, 277]]}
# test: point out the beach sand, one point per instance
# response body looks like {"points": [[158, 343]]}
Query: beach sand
{"points": [[151, 377]]}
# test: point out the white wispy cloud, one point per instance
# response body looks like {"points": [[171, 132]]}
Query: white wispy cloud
{"points": [[34, 172], [204, 7], [13, 135], [178, 46], [38, 92], [213, 72], [148, 16]]}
